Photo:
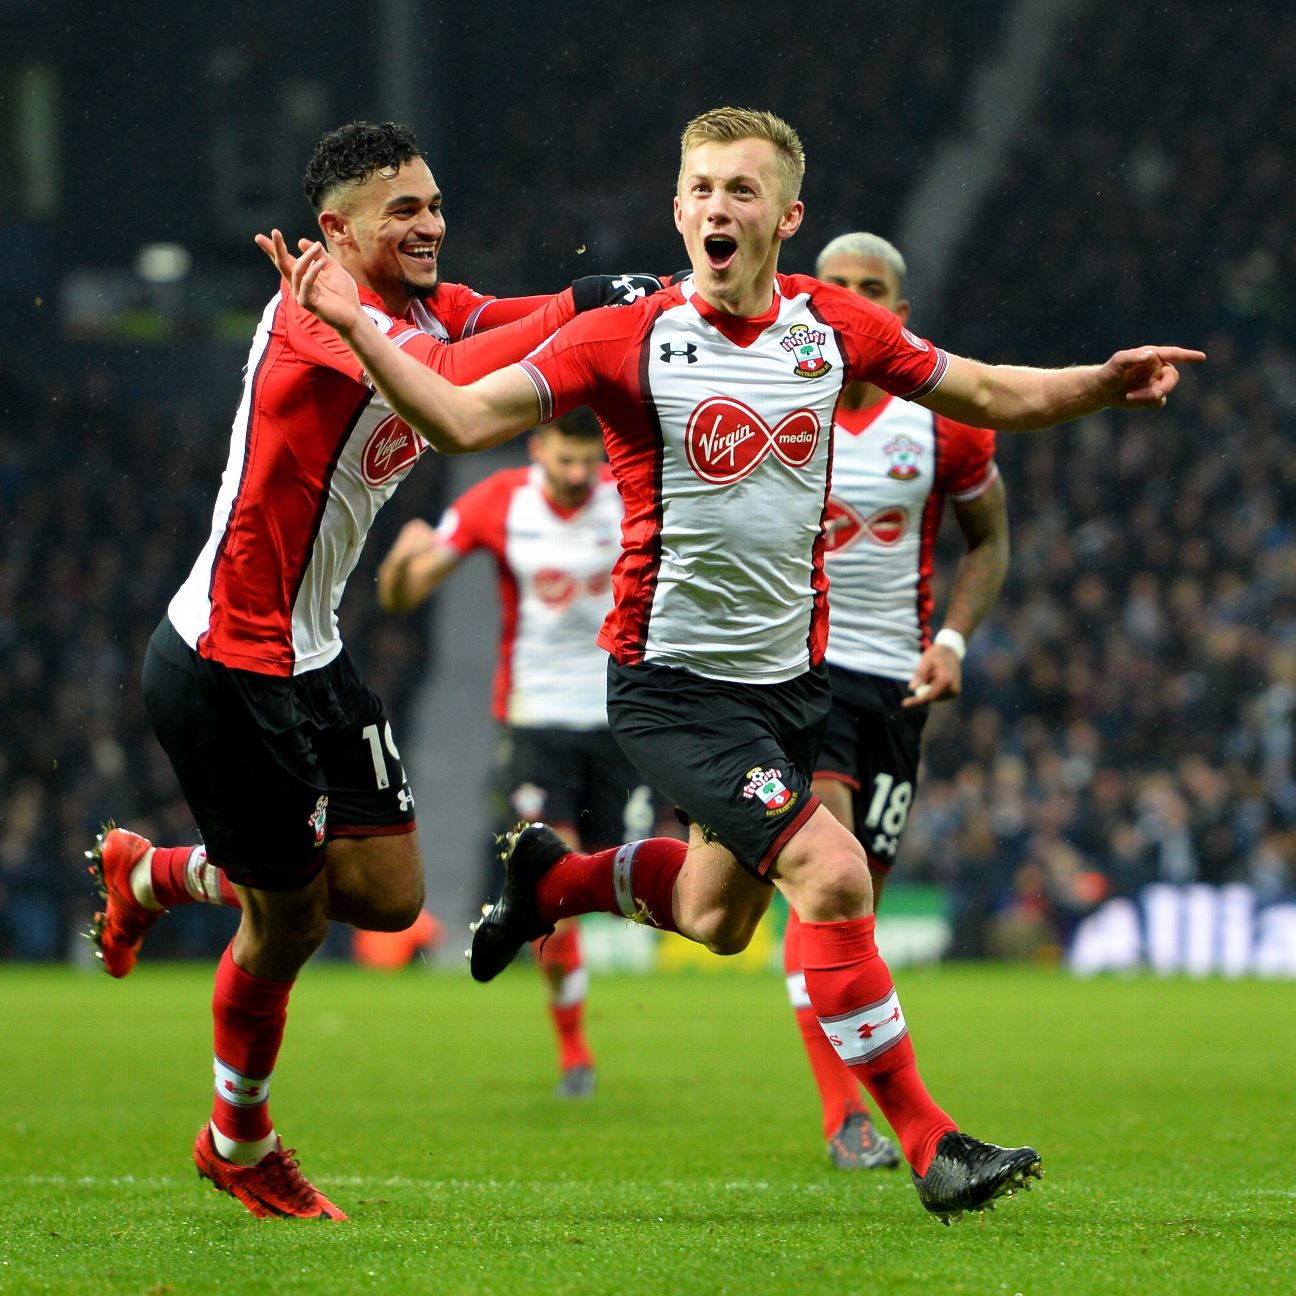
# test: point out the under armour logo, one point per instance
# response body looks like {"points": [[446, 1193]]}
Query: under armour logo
{"points": [[866, 1029], [405, 797], [688, 351], [630, 290]]}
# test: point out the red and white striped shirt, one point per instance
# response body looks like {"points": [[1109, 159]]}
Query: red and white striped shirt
{"points": [[894, 466], [555, 583], [314, 454], [719, 431]]}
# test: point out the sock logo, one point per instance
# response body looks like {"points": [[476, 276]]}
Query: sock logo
{"points": [[238, 1089], [861, 1035]]}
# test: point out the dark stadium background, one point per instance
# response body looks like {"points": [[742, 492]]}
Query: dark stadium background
{"points": [[1128, 710]]}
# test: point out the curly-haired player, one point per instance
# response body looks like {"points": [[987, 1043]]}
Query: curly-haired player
{"points": [[284, 754]]}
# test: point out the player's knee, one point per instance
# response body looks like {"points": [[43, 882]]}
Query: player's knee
{"points": [[838, 888], [725, 933], [282, 932], [395, 913]]}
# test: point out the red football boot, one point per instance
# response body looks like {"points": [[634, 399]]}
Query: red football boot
{"points": [[273, 1188], [119, 930]]}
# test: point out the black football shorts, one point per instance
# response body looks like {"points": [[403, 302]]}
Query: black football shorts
{"points": [[273, 766], [873, 745], [736, 758], [576, 777]]}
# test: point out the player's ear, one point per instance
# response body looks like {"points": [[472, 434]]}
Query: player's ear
{"points": [[334, 226], [791, 221], [902, 310]]}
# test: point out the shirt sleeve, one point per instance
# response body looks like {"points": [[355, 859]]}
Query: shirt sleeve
{"points": [[967, 467], [879, 349], [584, 357], [466, 312], [316, 342], [474, 357], [476, 519], [494, 311]]}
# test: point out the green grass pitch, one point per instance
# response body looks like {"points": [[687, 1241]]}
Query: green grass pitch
{"points": [[422, 1104]]}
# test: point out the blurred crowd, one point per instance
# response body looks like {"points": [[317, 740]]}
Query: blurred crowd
{"points": [[1128, 707]]}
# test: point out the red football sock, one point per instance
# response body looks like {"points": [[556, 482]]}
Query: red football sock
{"points": [[839, 1088], [560, 962], [176, 883], [249, 1014], [636, 880], [854, 998]]}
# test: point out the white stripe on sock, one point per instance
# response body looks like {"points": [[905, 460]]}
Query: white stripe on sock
{"points": [[623, 878], [237, 1089], [866, 1032], [572, 989], [798, 996]]}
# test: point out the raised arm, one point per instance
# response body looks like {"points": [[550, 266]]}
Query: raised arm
{"points": [[1017, 399], [453, 419]]}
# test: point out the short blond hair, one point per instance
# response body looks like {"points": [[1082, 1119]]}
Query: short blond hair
{"points": [[728, 125]]}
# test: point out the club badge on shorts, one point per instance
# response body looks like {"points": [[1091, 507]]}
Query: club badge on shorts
{"points": [[767, 786], [319, 821]]}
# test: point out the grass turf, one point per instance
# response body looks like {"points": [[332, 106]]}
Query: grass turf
{"points": [[422, 1104]]}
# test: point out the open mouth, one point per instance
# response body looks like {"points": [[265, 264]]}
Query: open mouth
{"points": [[720, 250], [424, 254]]}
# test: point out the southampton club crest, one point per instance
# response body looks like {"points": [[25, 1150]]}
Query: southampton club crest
{"points": [[805, 343], [903, 454], [767, 786]]}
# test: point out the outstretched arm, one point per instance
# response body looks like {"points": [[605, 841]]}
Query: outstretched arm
{"points": [[1016, 399], [453, 419]]}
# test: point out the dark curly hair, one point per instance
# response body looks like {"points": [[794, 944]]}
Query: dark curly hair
{"points": [[349, 154]]}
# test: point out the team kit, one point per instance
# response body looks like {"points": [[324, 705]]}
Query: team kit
{"points": [[773, 442]]}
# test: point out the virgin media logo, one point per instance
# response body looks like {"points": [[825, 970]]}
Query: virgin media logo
{"points": [[393, 446], [726, 440]]}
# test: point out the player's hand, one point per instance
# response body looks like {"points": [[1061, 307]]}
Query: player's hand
{"points": [[416, 536], [1145, 376], [612, 290], [317, 281], [937, 677]]}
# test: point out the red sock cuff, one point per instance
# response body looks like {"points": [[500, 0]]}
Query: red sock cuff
{"points": [[828, 945], [657, 865], [249, 994], [167, 875]]}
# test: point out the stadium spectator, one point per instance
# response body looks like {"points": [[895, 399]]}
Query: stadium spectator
{"points": [[553, 529], [284, 754], [895, 465], [717, 590]]}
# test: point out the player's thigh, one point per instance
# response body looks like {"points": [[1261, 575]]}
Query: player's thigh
{"points": [[374, 864], [246, 761], [617, 804], [735, 758], [713, 882], [375, 883]]}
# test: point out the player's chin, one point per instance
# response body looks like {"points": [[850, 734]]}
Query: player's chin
{"points": [[424, 286]]}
